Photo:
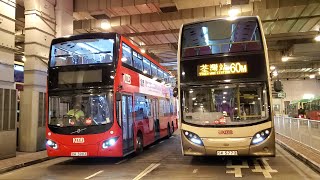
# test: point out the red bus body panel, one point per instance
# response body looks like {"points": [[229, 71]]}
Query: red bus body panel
{"points": [[93, 142]]}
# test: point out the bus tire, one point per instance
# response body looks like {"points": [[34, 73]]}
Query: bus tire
{"points": [[172, 127], [169, 131], [139, 142]]}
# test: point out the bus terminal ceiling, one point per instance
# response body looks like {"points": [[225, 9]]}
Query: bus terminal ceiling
{"points": [[290, 27]]}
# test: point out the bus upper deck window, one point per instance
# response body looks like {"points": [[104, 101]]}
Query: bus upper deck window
{"points": [[137, 61], [146, 66], [126, 54]]}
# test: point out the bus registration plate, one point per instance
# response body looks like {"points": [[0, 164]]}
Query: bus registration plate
{"points": [[79, 154], [227, 153]]}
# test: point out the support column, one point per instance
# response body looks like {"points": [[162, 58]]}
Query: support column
{"points": [[8, 108], [40, 27], [64, 18]]}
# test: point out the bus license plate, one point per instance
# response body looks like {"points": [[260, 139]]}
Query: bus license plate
{"points": [[227, 153], [79, 154]]}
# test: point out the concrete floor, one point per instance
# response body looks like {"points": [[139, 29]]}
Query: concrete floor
{"points": [[164, 161]]}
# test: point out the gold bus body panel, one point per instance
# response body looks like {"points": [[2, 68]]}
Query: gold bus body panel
{"points": [[239, 141]]}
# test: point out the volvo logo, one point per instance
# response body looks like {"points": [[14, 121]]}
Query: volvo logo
{"points": [[225, 132], [78, 131]]}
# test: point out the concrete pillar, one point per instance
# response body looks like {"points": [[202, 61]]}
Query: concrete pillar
{"points": [[8, 109], [45, 20], [40, 27], [64, 18]]}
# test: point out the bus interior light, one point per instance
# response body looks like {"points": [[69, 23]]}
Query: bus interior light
{"points": [[260, 136], [110, 142], [52, 144], [194, 138], [87, 47]]}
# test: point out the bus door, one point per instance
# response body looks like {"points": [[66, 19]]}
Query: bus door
{"points": [[155, 114], [127, 123]]}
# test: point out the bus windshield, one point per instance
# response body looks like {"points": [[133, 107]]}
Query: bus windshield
{"points": [[84, 51], [80, 110], [232, 104], [221, 36]]}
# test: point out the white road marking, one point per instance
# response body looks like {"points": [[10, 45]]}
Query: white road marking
{"points": [[147, 170], [195, 171], [267, 169], [161, 142], [124, 160], [237, 168], [171, 137], [93, 174], [151, 146]]}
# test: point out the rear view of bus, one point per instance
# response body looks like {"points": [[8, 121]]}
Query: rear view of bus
{"points": [[224, 89]]}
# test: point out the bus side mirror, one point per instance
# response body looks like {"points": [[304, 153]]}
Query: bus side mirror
{"points": [[277, 85], [118, 96], [175, 92]]}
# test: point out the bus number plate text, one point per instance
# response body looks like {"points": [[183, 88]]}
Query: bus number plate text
{"points": [[79, 154], [227, 153]]}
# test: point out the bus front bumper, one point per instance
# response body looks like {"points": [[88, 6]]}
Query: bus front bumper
{"points": [[265, 148], [82, 151]]}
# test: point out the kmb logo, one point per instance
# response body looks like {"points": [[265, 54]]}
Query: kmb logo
{"points": [[78, 140], [225, 132]]}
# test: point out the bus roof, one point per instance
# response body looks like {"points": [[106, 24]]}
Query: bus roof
{"points": [[223, 18]]}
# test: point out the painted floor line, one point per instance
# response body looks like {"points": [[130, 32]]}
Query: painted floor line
{"points": [[91, 176], [151, 146], [124, 160], [161, 142], [147, 170]]}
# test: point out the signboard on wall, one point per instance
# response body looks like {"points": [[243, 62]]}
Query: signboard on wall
{"points": [[281, 95]]}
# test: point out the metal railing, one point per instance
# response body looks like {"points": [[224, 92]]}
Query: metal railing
{"points": [[304, 131]]}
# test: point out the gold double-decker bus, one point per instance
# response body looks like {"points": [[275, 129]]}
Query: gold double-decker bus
{"points": [[224, 89]]}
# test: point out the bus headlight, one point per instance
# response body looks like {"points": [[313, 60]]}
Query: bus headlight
{"points": [[110, 142], [193, 137], [52, 144], [260, 136]]}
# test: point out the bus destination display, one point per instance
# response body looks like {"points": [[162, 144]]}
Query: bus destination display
{"points": [[222, 69]]}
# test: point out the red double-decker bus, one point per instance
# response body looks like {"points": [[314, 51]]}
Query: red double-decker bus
{"points": [[105, 97]]}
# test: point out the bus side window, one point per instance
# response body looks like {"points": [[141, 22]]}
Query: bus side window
{"points": [[137, 60], [146, 66], [154, 71], [126, 54]]}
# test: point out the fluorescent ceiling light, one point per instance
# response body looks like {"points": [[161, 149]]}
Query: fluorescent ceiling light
{"points": [[275, 73], [233, 12], [317, 38], [312, 76], [105, 24], [272, 68], [308, 96], [285, 58]]}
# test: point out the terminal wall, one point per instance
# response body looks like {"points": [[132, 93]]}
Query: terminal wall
{"points": [[295, 89]]}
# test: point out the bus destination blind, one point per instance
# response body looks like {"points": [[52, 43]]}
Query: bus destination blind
{"points": [[222, 68]]}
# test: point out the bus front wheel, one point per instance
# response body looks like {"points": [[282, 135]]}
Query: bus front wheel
{"points": [[139, 142]]}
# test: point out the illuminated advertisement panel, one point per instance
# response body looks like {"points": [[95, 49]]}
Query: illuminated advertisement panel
{"points": [[152, 87], [222, 68]]}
